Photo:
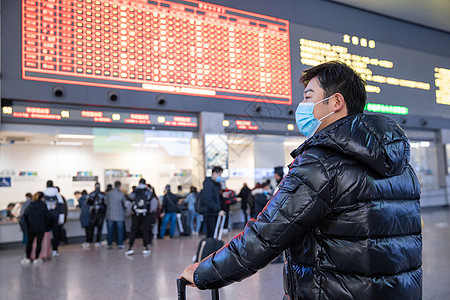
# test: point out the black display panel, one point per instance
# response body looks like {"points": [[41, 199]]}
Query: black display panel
{"points": [[181, 47], [97, 117], [400, 80]]}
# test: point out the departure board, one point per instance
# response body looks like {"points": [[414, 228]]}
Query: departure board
{"points": [[95, 116], [171, 46]]}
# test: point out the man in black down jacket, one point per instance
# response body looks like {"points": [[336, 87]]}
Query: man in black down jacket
{"points": [[347, 214]]}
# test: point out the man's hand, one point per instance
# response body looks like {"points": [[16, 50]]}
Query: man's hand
{"points": [[188, 273], [222, 213]]}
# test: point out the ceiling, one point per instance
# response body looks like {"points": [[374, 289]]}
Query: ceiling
{"points": [[430, 13]]}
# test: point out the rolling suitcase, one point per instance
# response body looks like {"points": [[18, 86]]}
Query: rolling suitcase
{"points": [[181, 286], [46, 248], [210, 245]]}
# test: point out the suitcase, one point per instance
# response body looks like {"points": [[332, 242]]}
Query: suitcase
{"points": [[46, 248], [181, 286], [210, 245]]}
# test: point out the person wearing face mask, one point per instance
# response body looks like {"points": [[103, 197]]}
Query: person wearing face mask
{"points": [[211, 199], [346, 215]]}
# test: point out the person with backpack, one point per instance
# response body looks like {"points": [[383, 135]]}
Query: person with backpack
{"points": [[143, 205], [169, 212], [97, 203], [55, 207], [115, 214]]}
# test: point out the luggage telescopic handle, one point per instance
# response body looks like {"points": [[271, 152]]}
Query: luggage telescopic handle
{"points": [[181, 286]]}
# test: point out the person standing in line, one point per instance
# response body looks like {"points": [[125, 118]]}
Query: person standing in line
{"points": [[261, 196], [348, 211], [96, 200], [116, 202], [84, 216], [36, 218], [55, 206], [143, 206], [22, 224], [211, 200], [168, 212], [244, 194], [62, 230], [278, 174]]}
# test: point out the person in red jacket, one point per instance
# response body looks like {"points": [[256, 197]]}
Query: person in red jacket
{"points": [[346, 215]]}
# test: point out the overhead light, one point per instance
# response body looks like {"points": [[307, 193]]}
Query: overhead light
{"points": [[290, 127], [66, 143], [225, 123], [76, 136], [292, 143]]}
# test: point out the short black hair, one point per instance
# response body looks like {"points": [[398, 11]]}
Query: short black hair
{"points": [[337, 77], [142, 180], [50, 183], [28, 195], [217, 169], [117, 184]]}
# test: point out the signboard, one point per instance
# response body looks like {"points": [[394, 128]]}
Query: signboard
{"points": [[183, 47], [93, 116], [5, 181]]}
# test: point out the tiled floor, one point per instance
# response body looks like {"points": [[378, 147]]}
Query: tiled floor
{"points": [[109, 274]]}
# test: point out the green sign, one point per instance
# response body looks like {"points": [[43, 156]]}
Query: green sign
{"points": [[386, 109]]}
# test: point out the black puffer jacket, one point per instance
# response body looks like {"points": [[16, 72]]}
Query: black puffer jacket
{"points": [[347, 214]]}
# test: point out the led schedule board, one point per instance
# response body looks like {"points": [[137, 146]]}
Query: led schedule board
{"points": [[96, 116], [171, 46]]}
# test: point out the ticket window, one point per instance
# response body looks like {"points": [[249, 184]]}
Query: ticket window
{"points": [[424, 161]]}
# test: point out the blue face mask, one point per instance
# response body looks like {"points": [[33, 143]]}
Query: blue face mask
{"points": [[218, 179], [304, 116]]}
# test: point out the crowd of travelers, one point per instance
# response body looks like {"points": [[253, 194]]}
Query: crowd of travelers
{"points": [[184, 213]]}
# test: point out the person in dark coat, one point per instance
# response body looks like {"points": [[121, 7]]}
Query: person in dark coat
{"points": [[347, 214], [97, 212], [212, 201], [37, 219], [243, 194], [85, 215]]}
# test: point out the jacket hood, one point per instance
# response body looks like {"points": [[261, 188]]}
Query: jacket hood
{"points": [[375, 141]]}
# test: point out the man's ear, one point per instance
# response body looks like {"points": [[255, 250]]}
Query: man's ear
{"points": [[339, 103]]}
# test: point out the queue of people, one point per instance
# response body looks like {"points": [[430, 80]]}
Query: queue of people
{"points": [[150, 217]]}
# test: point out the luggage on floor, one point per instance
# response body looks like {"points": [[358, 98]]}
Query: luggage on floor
{"points": [[46, 248], [181, 286], [210, 245]]}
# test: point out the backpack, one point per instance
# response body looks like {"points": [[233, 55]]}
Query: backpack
{"points": [[98, 204], [51, 202], [141, 203], [199, 205]]}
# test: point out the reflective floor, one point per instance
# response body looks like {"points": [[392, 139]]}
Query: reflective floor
{"points": [[109, 274]]}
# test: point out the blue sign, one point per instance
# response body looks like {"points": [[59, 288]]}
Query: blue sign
{"points": [[5, 181]]}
